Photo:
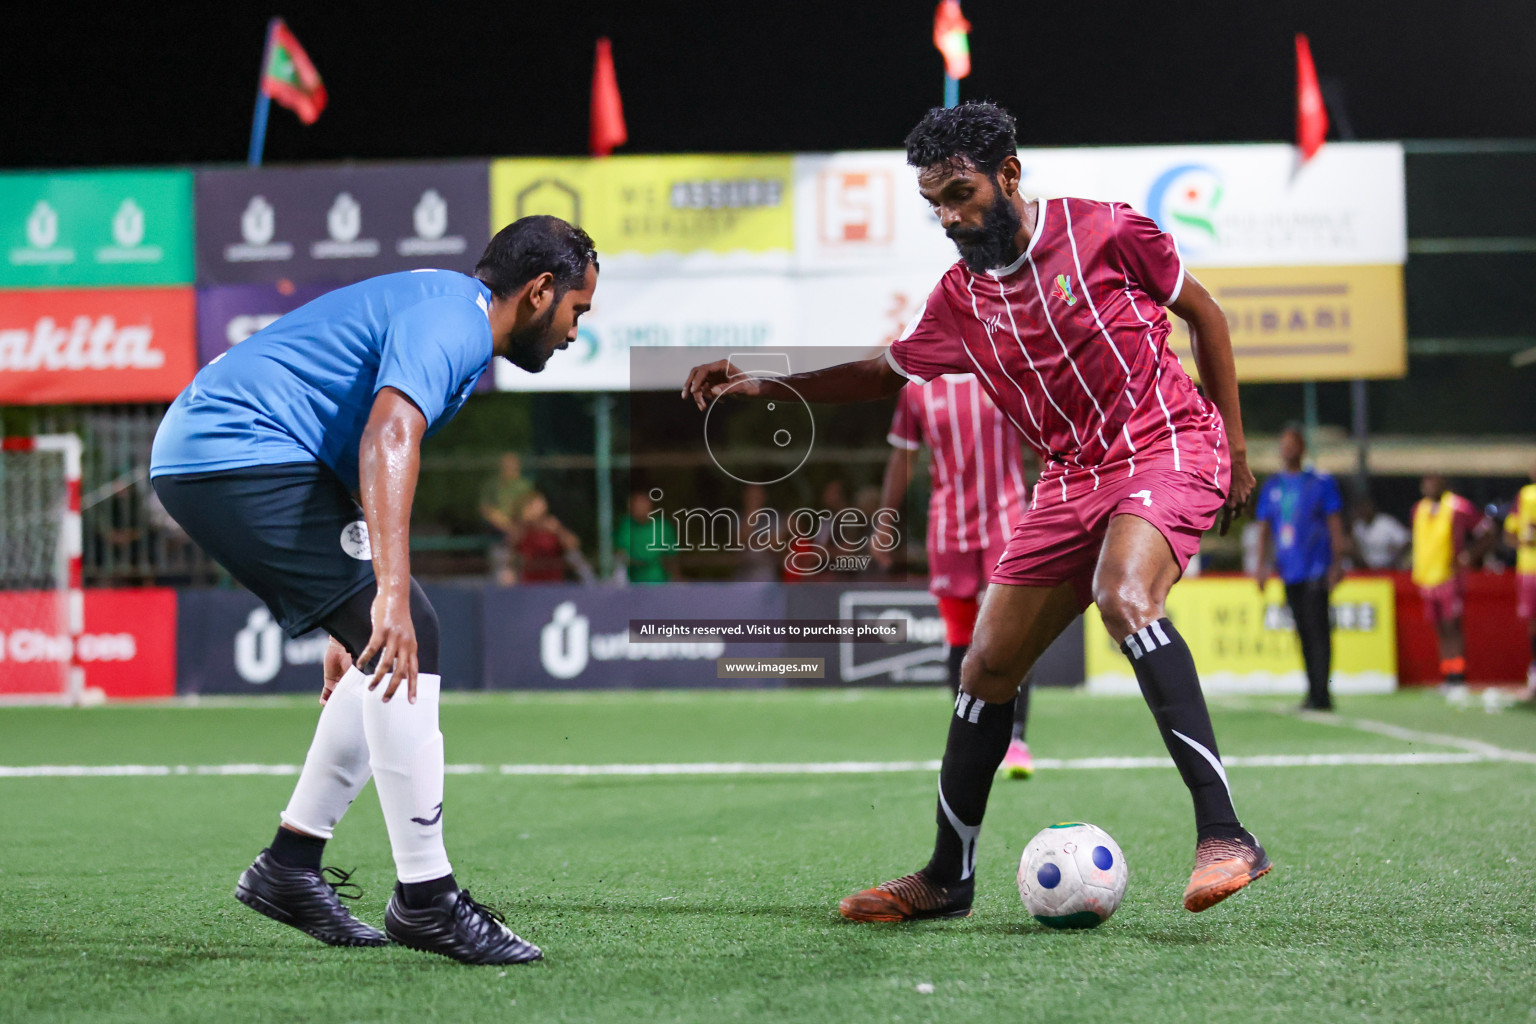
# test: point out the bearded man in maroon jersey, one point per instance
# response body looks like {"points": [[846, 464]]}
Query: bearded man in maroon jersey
{"points": [[1058, 307]]}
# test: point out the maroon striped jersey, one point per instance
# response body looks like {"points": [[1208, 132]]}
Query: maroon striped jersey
{"points": [[1071, 342], [977, 467]]}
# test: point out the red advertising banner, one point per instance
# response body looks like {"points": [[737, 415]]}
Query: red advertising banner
{"points": [[96, 345], [128, 648]]}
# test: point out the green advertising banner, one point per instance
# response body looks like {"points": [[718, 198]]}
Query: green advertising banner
{"points": [[97, 228]]}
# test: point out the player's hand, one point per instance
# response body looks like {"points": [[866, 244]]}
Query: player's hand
{"points": [[708, 382], [1335, 574], [1262, 579], [393, 643], [1241, 490], [337, 661]]}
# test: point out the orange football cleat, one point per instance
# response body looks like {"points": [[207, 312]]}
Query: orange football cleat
{"points": [[910, 898], [1222, 867]]}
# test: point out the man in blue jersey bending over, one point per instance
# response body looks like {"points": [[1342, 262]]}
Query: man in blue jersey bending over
{"points": [[292, 460]]}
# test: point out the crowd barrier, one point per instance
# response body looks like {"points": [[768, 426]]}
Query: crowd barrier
{"points": [[159, 642]]}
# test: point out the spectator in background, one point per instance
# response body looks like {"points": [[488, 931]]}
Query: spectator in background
{"points": [[545, 546], [758, 564], [1302, 520], [1379, 539], [1442, 523], [501, 505], [645, 544], [1520, 528]]}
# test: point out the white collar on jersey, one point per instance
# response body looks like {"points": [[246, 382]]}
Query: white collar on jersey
{"points": [[1033, 238]]}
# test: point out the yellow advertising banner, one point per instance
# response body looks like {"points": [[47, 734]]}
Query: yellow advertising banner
{"points": [[1244, 642], [652, 205], [1308, 323]]}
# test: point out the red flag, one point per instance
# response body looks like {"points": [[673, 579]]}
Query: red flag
{"points": [[1311, 115], [949, 35], [289, 76], [607, 109]]}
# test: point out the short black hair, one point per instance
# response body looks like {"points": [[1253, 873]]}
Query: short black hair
{"points": [[531, 246], [978, 131]]}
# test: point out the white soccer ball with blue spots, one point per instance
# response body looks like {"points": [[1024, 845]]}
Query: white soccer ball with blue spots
{"points": [[1072, 875]]}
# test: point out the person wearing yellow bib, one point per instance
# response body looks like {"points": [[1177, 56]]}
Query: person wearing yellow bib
{"points": [[1442, 521], [1520, 528]]}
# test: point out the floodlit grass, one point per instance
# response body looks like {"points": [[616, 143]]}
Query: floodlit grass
{"points": [[1400, 893]]}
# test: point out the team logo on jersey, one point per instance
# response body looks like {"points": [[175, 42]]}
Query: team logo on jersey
{"points": [[1064, 289], [354, 541]]}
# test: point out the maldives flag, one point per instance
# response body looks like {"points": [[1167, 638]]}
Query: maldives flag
{"points": [[289, 76], [950, 35], [1311, 115], [607, 128]]}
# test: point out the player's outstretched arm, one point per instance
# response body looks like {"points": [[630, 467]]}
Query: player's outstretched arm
{"points": [[1212, 342], [861, 381], [389, 459]]}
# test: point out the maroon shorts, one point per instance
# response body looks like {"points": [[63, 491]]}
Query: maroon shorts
{"points": [[1059, 538], [961, 574], [1525, 601], [1444, 602]]}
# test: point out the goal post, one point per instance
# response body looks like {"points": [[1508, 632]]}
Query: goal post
{"points": [[42, 600]]}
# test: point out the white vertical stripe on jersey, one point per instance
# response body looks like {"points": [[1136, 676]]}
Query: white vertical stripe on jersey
{"points": [[958, 476], [1157, 377], [1039, 440], [978, 461], [1003, 294], [935, 449], [1050, 321]]}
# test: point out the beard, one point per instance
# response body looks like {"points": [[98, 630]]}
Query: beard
{"points": [[528, 347], [991, 245]]}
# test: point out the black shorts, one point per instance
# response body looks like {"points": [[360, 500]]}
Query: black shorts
{"points": [[290, 534]]}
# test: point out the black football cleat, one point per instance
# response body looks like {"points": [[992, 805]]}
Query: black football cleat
{"points": [[457, 927], [307, 900]]}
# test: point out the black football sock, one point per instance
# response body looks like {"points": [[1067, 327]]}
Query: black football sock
{"points": [[956, 657], [1021, 709], [296, 850], [1166, 672], [417, 895], [978, 739]]}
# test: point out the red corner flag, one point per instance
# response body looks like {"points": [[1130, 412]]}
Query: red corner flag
{"points": [[607, 109], [288, 75], [1311, 115], [950, 35]]}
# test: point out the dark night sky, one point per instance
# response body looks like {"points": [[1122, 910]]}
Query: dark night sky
{"points": [[157, 84]]}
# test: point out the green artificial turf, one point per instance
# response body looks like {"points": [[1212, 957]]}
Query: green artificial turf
{"points": [[1401, 892]]}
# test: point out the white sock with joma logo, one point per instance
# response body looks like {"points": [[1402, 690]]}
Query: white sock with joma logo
{"points": [[405, 749], [336, 767]]}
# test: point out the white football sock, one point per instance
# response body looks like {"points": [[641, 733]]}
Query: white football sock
{"points": [[406, 752], [336, 767]]}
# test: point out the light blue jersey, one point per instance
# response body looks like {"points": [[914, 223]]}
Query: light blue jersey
{"points": [[301, 389]]}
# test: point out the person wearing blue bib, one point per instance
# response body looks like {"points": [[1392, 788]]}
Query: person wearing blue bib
{"points": [[292, 460], [1300, 513]]}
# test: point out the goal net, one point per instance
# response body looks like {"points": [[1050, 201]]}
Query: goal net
{"points": [[41, 602]]}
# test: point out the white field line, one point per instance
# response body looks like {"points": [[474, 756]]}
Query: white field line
{"points": [[770, 768], [1486, 751]]}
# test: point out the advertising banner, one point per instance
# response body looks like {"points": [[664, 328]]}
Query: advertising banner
{"points": [[651, 215], [1244, 641], [128, 648], [567, 636], [95, 228], [854, 312], [1228, 206], [338, 224], [1308, 323], [228, 314], [861, 212], [89, 345], [227, 642]]}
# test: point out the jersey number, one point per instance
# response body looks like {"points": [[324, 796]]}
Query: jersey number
{"points": [[1145, 496]]}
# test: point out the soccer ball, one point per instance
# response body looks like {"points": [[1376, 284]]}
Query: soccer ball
{"points": [[1072, 875]]}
